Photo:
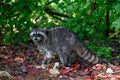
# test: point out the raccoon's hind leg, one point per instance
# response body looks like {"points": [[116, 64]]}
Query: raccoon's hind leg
{"points": [[63, 58], [71, 59], [63, 55]]}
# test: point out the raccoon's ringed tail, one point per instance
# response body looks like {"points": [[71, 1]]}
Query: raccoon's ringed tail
{"points": [[96, 60], [87, 56], [85, 53], [92, 58]]}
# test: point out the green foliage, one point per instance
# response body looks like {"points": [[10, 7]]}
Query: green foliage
{"points": [[99, 48], [88, 18], [116, 26], [104, 52], [118, 56]]}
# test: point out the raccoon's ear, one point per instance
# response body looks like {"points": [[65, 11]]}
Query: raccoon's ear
{"points": [[44, 28]]}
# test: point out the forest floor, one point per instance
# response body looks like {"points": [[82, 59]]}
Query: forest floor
{"points": [[23, 63]]}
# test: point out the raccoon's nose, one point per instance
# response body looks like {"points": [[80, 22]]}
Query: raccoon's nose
{"points": [[35, 39]]}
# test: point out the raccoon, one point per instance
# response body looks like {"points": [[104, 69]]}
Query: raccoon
{"points": [[61, 42]]}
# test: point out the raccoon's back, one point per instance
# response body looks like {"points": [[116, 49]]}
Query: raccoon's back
{"points": [[61, 36]]}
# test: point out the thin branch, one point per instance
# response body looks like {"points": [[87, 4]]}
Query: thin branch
{"points": [[93, 7], [55, 13], [49, 2], [107, 22], [50, 11], [58, 18]]}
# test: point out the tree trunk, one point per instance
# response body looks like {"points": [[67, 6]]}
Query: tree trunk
{"points": [[107, 21]]}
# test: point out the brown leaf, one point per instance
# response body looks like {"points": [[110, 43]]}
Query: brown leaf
{"points": [[114, 78], [54, 71], [19, 59], [66, 70]]}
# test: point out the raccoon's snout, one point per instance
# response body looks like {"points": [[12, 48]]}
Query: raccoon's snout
{"points": [[36, 39]]}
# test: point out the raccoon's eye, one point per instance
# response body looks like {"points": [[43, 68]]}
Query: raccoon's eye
{"points": [[34, 34], [39, 35]]}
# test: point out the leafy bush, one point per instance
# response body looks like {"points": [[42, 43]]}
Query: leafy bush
{"points": [[92, 20], [118, 56]]}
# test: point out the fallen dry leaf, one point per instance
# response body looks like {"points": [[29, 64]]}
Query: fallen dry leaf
{"points": [[66, 70], [19, 59], [109, 70], [114, 78], [54, 71]]}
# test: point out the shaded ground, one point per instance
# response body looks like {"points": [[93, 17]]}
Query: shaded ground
{"points": [[22, 63]]}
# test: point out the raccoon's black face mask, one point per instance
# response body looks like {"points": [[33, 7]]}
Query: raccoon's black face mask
{"points": [[38, 34]]}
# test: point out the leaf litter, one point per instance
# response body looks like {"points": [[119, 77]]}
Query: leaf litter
{"points": [[17, 63]]}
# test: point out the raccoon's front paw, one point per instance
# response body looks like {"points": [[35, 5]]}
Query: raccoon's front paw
{"points": [[43, 66], [69, 65], [65, 64]]}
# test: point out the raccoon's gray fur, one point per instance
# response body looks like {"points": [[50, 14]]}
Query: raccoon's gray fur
{"points": [[62, 42]]}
